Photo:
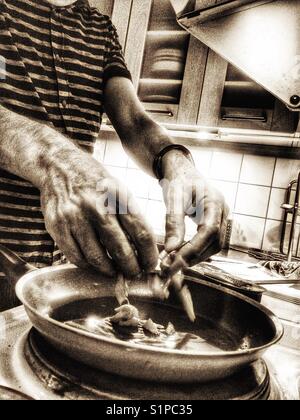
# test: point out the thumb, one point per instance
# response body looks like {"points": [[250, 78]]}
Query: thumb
{"points": [[175, 231]]}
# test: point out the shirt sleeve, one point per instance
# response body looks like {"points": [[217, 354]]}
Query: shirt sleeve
{"points": [[115, 65]]}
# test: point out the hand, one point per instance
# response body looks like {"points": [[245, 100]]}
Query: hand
{"points": [[75, 201], [188, 193]]}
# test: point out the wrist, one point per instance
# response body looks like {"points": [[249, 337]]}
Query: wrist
{"points": [[176, 163]]}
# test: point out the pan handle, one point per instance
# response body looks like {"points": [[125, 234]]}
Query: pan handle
{"points": [[12, 265]]}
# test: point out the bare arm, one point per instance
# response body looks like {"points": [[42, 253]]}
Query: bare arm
{"points": [[144, 139], [28, 148], [71, 182], [141, 136]]}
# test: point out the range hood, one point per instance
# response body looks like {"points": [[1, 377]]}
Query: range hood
{"points": [[260, 38]]}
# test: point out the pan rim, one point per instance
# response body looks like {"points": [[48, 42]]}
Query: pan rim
{"points": [[279, 329]]}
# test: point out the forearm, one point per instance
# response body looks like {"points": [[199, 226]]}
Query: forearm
{"points": [[140, 135], [144, 141], [28, 148]]}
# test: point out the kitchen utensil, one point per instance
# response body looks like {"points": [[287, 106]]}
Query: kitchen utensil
{"points": [[237, 329], [219, 276], [168, 63], [291, 217]]}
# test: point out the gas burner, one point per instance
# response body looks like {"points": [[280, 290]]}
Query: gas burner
{"points": [[68, 379]]}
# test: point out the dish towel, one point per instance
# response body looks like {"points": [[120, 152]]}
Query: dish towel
{"points": [[290, 271]]}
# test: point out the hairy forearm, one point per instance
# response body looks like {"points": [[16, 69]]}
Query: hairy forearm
{"points": [[144, 140], [29, 148], [140, 135]]}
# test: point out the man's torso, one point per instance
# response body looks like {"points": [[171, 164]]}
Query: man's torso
{"points": [[52, 70]]}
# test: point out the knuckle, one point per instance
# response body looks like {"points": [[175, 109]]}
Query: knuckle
{"points": [[75, 259], [144, 236], [123, 254], [105, 220], [96, 259], [134, 271], [127, 261]]}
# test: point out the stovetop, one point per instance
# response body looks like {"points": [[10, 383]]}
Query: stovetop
{"points": [[30, 366]]}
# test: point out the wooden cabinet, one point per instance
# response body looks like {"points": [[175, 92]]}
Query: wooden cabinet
{"points": [[231, 100], [180, 80], [160, 55]]}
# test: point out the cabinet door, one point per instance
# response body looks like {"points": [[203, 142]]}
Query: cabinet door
{"points": [[161, 57], [232, 100]]}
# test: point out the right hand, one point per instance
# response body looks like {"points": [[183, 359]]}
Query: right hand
{"points": [[78, 221]]}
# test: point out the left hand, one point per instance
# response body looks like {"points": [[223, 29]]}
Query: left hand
{"points": [[188, 193]]}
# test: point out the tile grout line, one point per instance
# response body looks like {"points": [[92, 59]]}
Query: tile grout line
{"points": [[269, 202], [238, 183]]}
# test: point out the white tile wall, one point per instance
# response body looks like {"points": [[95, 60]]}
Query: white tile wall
{"points": [[155, 190], [138, 183], [117, 172], [254, 188], [156, 216], [276, 200], [226, 166], [248, 231], [143, 205], [285, 171], [252, 200], [257, 170], [115, 155], [229, 190], [202, 160], [272, 237]]}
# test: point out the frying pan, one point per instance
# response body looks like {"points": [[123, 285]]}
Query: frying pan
{"points": [[237, 329]]}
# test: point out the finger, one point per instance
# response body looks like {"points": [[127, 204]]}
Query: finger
{"points": [[218, 245], [118, 246], [204, 244], [93, 251], [175, 219], [69, 247], [175, 231], [213, 249], [143, 239]]}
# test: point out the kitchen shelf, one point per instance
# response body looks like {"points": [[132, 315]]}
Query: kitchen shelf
{"points": [[160, 90], [163, 36], [236, 101], [163, 62], [158, 82]]}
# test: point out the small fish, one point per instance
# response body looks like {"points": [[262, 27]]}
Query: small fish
{"points": [[122, 290], [151, 327], [170, 330], [125, 313]]}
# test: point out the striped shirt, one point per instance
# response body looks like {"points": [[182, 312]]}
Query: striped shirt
{"points": [[54, 65]]}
